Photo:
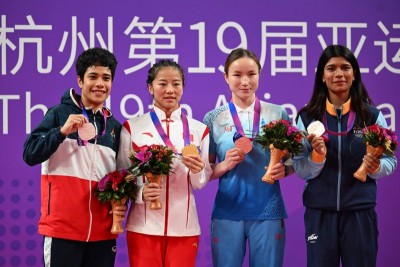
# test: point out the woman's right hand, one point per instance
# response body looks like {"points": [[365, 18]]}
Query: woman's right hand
{"points": [[233, 157], [151, 191]]}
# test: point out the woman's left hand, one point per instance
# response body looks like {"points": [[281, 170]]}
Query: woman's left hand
{"points": [[194, 163], [277, 171], [373, 163]]}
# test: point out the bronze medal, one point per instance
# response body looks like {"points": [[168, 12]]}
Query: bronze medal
{"points": [[87, 131], [244, 144]]}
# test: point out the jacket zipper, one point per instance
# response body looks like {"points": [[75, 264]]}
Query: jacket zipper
{"points": [[90, 187], [166, 189], [48, 202], [339, 116]]}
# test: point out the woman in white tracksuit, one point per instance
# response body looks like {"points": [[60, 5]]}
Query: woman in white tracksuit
{"points": [[168, 236]]}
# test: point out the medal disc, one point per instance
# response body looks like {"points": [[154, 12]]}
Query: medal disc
{"points": [[317, 128], [190, 150], [87, 131], [244, 144]]}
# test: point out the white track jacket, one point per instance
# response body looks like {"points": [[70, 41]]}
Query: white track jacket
{"points": [[178, 216]]}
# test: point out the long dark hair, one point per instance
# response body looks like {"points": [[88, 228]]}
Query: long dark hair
{"points": [[358, 93]]}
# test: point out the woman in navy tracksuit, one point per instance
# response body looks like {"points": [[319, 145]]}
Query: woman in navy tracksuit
{"points": [[340, 218]]}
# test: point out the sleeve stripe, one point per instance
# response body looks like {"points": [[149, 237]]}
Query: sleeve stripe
{"points": [[206, 132]]}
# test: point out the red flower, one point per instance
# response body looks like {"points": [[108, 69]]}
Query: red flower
{"points": [[372, 129], [116, 185], [116, 177]]}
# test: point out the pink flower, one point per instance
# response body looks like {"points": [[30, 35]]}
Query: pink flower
{"points": [[286, 123], [103, 182], [143, 156], [143, 148], [389, 134], [376, 135], [124, 172], [290, 128]]}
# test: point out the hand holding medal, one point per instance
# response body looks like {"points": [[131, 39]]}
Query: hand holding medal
{"points": [[317, 128], [73, 123], [191, 158], [190, 150]]}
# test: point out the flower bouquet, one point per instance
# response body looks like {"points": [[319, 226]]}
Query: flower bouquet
{"points": [[280, 137], [379, 140], [118, 188], [153, 162]]}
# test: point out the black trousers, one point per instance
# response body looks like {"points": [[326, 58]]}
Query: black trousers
{"points": [[347, 236], [69, 253]]}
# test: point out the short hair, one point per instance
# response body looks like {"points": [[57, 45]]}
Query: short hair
{"points": [[95, 57]]}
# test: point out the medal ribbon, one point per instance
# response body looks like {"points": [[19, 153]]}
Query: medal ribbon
{"points": [[256, 118], [350, 124], [164, 136], [97, 136]]}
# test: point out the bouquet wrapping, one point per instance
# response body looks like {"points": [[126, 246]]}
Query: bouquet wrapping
{"points": [[117, 188]]}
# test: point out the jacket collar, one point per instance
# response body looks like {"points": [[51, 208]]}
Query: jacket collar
{"points": [[175, 116], [331, 109]]}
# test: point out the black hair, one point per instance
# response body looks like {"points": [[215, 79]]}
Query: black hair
{"points": [[95, 57], [164, 63], [358, 93]]}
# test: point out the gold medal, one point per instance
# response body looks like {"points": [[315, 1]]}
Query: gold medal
{"points": [[190, 150]]}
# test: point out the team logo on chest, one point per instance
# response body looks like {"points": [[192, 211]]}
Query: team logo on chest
{"points": [[357, 132], [228, 128]]}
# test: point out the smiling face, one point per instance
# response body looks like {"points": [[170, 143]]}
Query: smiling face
{"points": [[243, 76], [96, 86], [338, 76], [167, 89]]}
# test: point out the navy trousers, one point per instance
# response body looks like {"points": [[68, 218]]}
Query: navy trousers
{"points": [[349, 237]]}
